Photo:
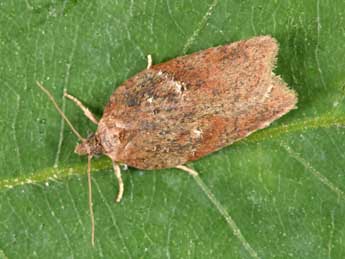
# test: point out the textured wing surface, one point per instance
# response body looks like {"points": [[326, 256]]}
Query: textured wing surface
{"points": [[193, 105]]}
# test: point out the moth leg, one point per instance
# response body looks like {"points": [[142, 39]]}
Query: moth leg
{"points": [[117, 172], [81, 106], [149, 61], [188, 170]]}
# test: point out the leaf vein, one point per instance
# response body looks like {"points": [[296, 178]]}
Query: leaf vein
{"points": [[52, 173], [324, 180], [200, 26], [58, 221], [112, 218], [231, 223]]}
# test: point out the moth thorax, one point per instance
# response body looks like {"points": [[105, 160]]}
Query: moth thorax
{"points": [[90, 146]]}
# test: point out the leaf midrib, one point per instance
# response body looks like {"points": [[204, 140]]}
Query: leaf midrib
{"points": [[52, 173]]}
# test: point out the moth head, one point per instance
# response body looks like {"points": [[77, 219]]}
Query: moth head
{"points": [[89, 146]]}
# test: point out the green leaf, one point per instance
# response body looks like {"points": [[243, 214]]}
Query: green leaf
{"points": [[277, 194]]}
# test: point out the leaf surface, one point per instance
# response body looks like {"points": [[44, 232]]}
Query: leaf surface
{"points": [[277, 194]]}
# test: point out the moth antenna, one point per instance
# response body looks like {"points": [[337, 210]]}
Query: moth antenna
{"points": [[45, 90], [90, 200]]}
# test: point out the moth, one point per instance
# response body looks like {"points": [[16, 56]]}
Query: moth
{"points": [[183, 109]]}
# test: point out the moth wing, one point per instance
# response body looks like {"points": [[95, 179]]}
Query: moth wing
{"points": [[241, 71], [190, 106]]}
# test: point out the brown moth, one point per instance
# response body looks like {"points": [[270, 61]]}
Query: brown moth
{"points": [[183, 109]]}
